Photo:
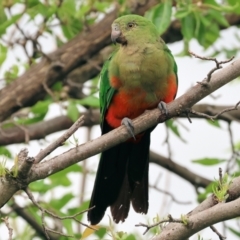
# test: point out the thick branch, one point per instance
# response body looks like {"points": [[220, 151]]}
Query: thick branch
{"points": [[92, 117], [199, 221], [141, 123], [181, 171], [42, 129], [206, 214]]}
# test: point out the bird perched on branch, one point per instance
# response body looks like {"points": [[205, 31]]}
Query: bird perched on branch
{"points": [[140, 75]]}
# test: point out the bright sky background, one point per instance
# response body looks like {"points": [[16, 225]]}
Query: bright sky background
{"points": [[203, 140]]}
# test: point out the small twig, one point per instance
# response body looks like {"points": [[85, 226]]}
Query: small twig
{"points": [[58, 233], [155, 186], [84, 175], [49, 91], [10, 230], [25, 130], [6, 135], [44, 211], [217, 115], [231, 137], [148, 227], [221, 237], [94, 64], [43, 153], [220, 176], [187, 114], [181, 124], [167, 142], [169, 194], [232, 159], [218, 65], [22, 166]]}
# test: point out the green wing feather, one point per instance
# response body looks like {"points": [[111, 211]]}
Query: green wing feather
{"points": [[175, 68], [106, 91]]}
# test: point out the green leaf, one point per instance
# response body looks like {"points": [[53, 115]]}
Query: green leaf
{"points": [[61, 178], [235, 5], [68, 224], [3, 53], [28, 121], [58, 179], [214, 123], [5, 152], [41, 107], [211, 35], [89, 101], [101, 5], [57, 86], [208, 190], [42, 9], [101, 232], [6, 24], [188, 26], [40, 186], [237, 233], [59, 203], [208, 161], [182, 13], [70, 23], [83, 207], [72, 111], [218, 16], [130, 237], [3, 16], [160, 15], [171, 125]]}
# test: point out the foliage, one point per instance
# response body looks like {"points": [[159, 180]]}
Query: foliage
{"points": [[60, 21], [221, 188]]}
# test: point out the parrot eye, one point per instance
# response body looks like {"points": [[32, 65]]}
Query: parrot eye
{"points": [[131, 25]]}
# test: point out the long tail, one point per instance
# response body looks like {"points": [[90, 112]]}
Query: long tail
{"points": [[122, 177]]}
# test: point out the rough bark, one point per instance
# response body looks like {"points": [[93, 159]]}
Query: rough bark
{"points": [[42, 129], [204, 215]]}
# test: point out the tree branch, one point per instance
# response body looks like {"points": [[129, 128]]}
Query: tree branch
{"points": [[43, 153], [143, 122], [31, 221], [205, 214], [42, 129], [195, 179]]}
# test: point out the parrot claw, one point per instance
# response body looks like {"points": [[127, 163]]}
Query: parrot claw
{"points": [[163, 107], [128, 123]]}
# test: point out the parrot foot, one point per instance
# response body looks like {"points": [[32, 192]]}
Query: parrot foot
{"points": [[128, 123], [163, 107]]}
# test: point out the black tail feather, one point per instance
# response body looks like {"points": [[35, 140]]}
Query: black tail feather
{"points": [[108, 182], [138, 174], [121, 206], [122, 177]]}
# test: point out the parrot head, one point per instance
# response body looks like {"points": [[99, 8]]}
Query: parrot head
{"points": [[132, 29]]}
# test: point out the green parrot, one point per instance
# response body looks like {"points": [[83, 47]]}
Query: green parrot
{"points": [[140, 75]]}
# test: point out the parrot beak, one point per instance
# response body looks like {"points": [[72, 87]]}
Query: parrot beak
{"points": [[116, 33], [117, 36]]}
